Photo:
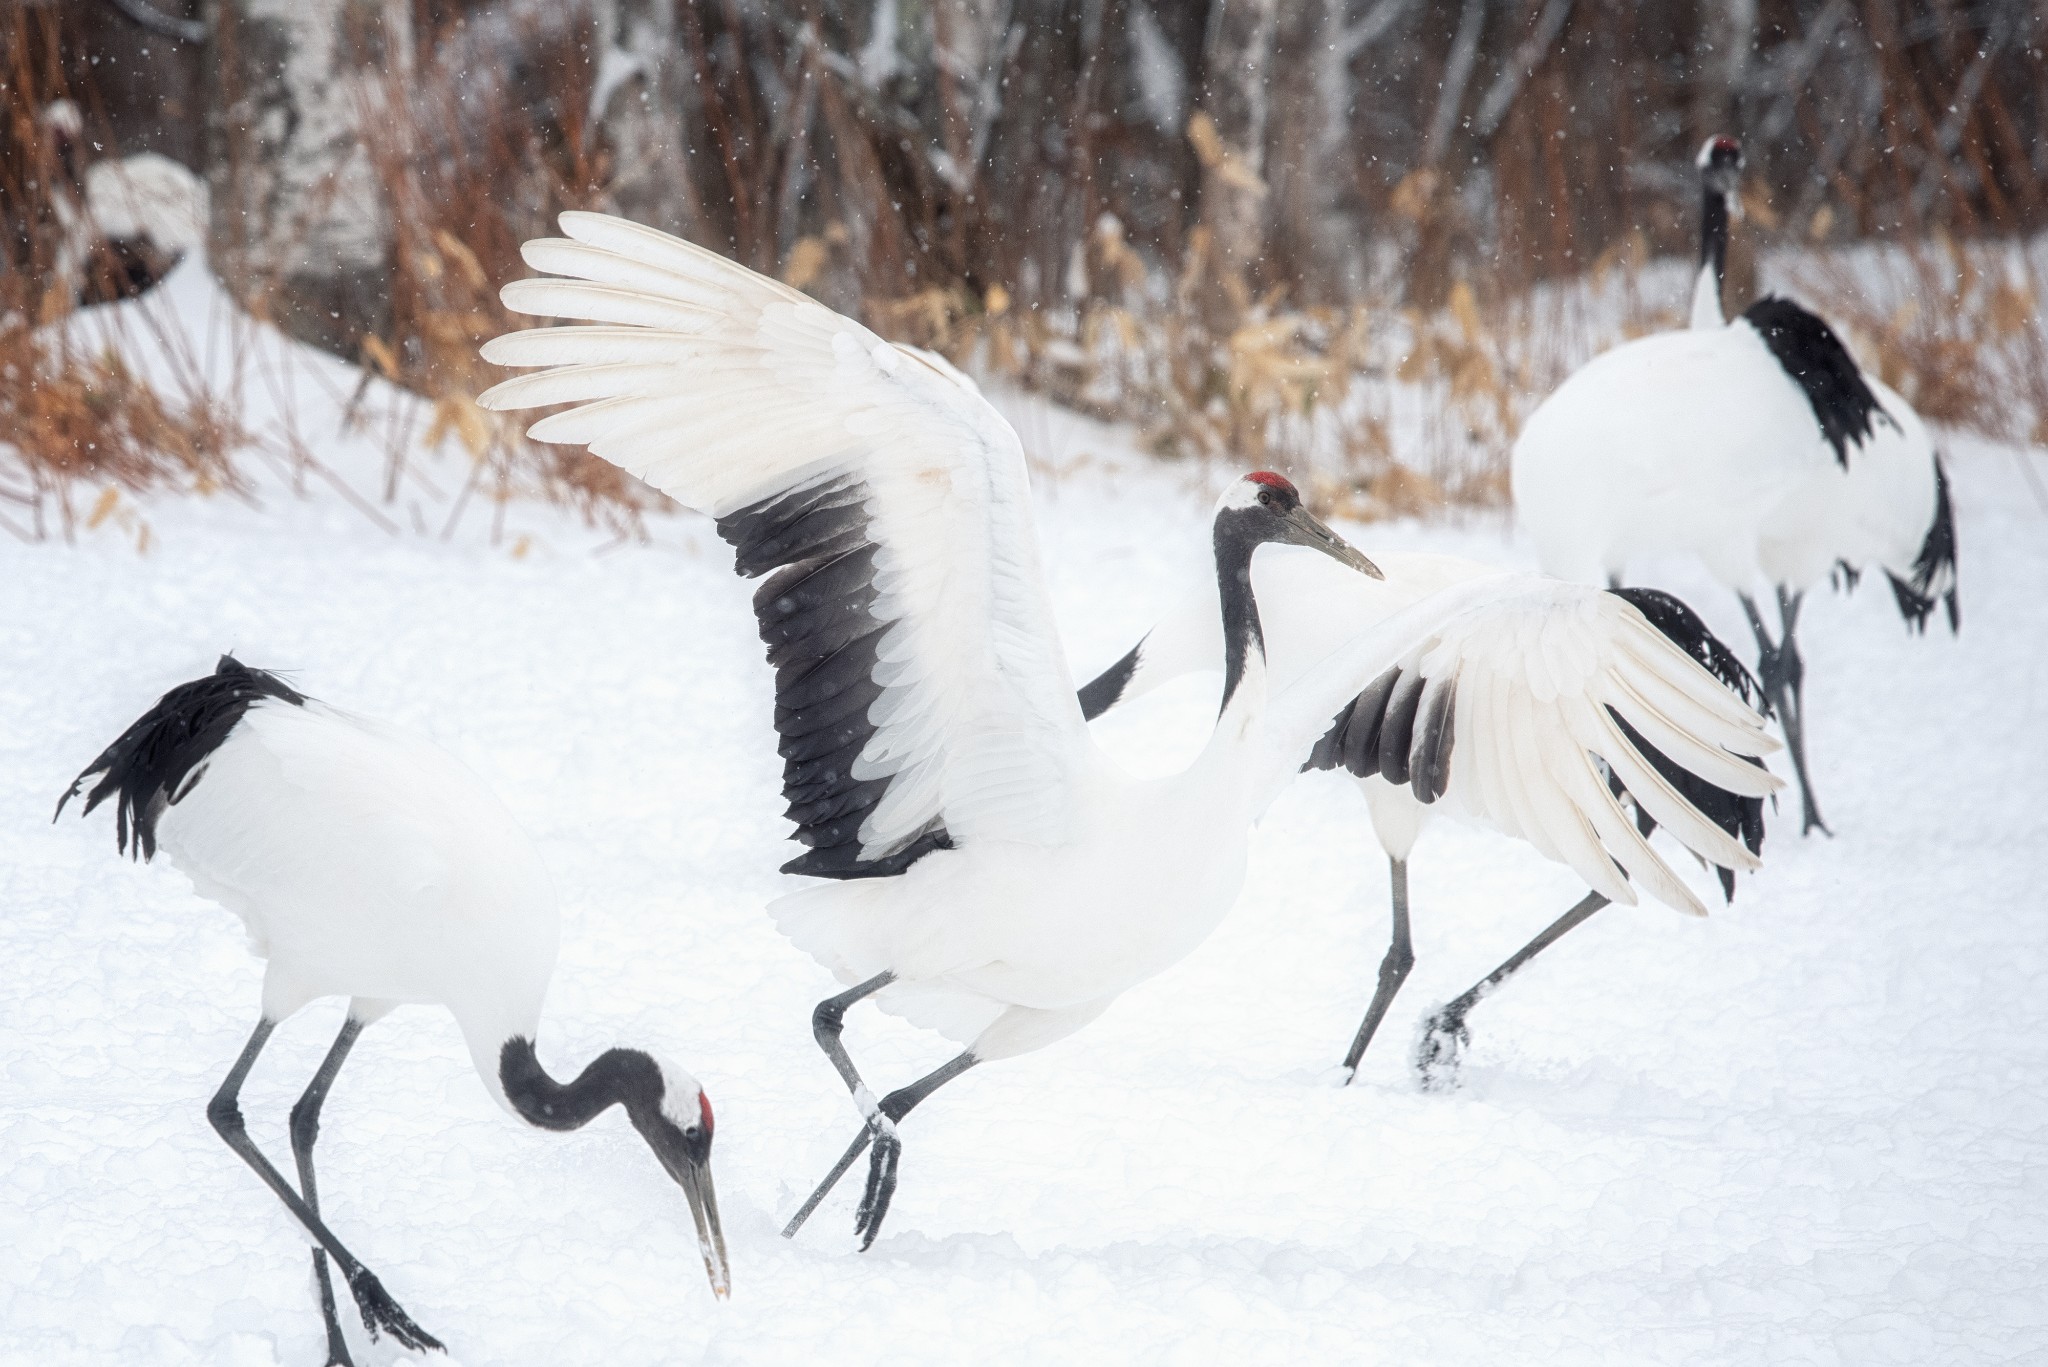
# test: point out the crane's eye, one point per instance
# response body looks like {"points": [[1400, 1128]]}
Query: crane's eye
{"points": [[1266, 497]]}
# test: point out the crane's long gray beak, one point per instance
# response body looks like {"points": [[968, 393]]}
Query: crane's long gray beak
{"points": [[1304, 528], [695, 1180]]}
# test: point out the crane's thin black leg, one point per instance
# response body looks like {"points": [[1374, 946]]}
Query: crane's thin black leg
{"points": [[381, 1314], [1783, 676], [881, 1184], [305, 1130], [1394, 968], [1444, 1035], [1795, 726], [828, 1018]]}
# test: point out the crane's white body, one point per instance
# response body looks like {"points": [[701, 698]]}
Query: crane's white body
{"points": [[1039, 939], [1696, 441], [370, 864], [1067, 880]]}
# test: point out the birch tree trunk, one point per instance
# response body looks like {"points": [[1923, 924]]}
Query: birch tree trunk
{"points": [[300, 231], [639, 105], [1235, 106], [1318, 227]]}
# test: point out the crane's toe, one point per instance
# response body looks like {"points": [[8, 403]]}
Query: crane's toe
{"points": [[881, 1188], [383, 1315]]}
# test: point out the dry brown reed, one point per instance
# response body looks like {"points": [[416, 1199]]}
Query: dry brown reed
{"points": [[1404, 399], [471, 169], [1956, 326], [77, 426]]}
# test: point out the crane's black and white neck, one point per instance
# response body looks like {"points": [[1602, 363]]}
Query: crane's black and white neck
{"points": [[1261, 509], [1720, 164]]}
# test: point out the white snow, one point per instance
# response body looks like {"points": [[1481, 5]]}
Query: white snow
{"points": [[1811, 1129]]}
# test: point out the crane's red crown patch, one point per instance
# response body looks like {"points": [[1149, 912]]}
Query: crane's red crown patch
{"points": [[1273, 481]]}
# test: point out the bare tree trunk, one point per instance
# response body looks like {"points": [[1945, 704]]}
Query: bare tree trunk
{"points": [[1309, 241], [972, 40], [638, 102], [300, 230], [1318, 228], [1239, 57], [1727, 32]]}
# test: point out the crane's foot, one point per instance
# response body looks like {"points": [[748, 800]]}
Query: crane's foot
{"points": [[383, 1315], [881, 1188], [1810, 815], [1440, 1049]]}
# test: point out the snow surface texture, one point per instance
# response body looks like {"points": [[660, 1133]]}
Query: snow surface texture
{"points": [[1811, 1129]]}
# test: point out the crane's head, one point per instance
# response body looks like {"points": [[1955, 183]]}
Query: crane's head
{"points": [[1720, 163], [678, 1128], [1266, 508]]}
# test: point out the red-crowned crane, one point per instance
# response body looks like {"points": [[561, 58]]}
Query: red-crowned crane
{"points": [[984, 870], [1758, 446], [1308, 609], [369, 864]]}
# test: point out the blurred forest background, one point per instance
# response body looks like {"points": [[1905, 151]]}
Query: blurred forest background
{"points": [[1353, 238]]}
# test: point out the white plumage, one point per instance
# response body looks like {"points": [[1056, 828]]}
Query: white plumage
{"points": [[368, 864], [1539, 658], [1698, 442], [1006, 881], [1757, 446]]}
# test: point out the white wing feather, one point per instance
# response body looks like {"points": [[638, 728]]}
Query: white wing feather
{"points": [[1537, 665], [723, 389]]}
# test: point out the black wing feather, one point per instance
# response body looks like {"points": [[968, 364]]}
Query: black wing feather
{"points": [[1106, 689], [816, 615], [1934, 570], [1741, 817], [1388, 732]]}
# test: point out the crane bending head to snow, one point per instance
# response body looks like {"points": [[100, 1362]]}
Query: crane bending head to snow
{"points": [[1754, 444], [369, 864], [983, 869]]}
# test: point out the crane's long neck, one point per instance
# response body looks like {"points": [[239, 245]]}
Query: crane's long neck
{"points": [[1706, 291], [622, 1077], [1244, 642]]}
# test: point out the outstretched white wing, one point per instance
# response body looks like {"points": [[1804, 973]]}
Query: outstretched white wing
{"points": [[1501, 691], [921, 691]]}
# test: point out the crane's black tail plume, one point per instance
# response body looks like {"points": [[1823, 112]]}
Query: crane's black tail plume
{"points": [[156, 761], [1934, 570]]}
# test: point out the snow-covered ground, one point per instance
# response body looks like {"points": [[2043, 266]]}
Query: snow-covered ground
{"points": [[1811, 1129]]}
